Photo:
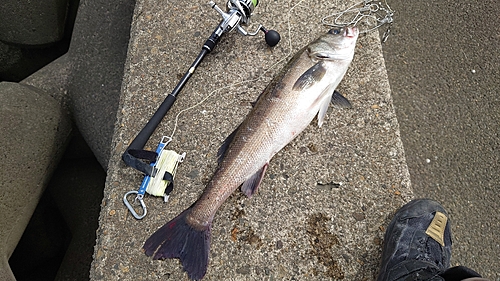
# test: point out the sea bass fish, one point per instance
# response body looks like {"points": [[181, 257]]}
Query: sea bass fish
{"points": [[302, 90]]}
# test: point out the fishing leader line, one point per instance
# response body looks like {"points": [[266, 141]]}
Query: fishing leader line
{"points": [[368, 12], [362, 12], [285, 57], [165, 161], [148, 162]]}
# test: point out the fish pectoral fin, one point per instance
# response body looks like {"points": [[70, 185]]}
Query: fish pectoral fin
{"points": [[338, 100], [311, 76], [323, 108], [250, 186]]}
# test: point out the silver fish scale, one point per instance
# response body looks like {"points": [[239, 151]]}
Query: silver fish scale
{"points": [[280, 114]]}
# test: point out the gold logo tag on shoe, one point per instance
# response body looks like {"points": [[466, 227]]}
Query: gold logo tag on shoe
{"points": [[437, 227]]}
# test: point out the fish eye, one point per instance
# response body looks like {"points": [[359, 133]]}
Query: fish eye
{"points": [[334, 31]]}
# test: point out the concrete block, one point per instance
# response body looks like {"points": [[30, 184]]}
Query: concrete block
{"points": [[32, 22], [9, 57], [77, 192], [53, 79], [321, 209], [98, 51], [35, 131]]}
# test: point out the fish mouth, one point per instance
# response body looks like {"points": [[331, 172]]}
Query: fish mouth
{"points": [[351, 31]]}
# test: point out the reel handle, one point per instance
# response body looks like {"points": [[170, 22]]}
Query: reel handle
{"points": [[272, 36], [238, 14]]}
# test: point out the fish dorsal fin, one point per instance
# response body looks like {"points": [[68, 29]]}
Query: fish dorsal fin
{"points": [[253, 103], [225, 145], [311, 76], [322, 111]]}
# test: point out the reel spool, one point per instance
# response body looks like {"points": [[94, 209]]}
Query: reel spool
{"points": [[159, 172], [238, 13]]}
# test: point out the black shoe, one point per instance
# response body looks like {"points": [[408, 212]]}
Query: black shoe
{"points": [[417, 243]]}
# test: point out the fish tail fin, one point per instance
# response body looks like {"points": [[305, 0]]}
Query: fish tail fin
{"points": [[178, 239]]}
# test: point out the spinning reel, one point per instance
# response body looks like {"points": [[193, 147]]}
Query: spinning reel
{"points": [[238, 13], [159, 172]]}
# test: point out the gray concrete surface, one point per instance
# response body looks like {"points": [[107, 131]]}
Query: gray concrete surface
{"points": [[97, 53], [35, 130], [33, 34], [294, 228], [9, 56], [59, 239], [444, 70], [53, 79], [87, 79], [32, 22]]}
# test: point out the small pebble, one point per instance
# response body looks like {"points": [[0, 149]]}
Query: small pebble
{"points": [[358, 216], [312, 147], [124, 269], [243, 270]]}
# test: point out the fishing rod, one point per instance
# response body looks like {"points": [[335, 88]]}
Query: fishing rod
{"points": [[238, 13]]}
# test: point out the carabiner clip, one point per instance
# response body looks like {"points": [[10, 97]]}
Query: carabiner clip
{"points": [[139, 198]]}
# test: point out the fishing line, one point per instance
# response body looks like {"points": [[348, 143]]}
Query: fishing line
{"points": [[160, 172], [285, 57], [156, 178], [367, 12], [360, 12]]}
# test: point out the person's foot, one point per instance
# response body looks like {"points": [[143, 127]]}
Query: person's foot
{"points": [[417, 243]]}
